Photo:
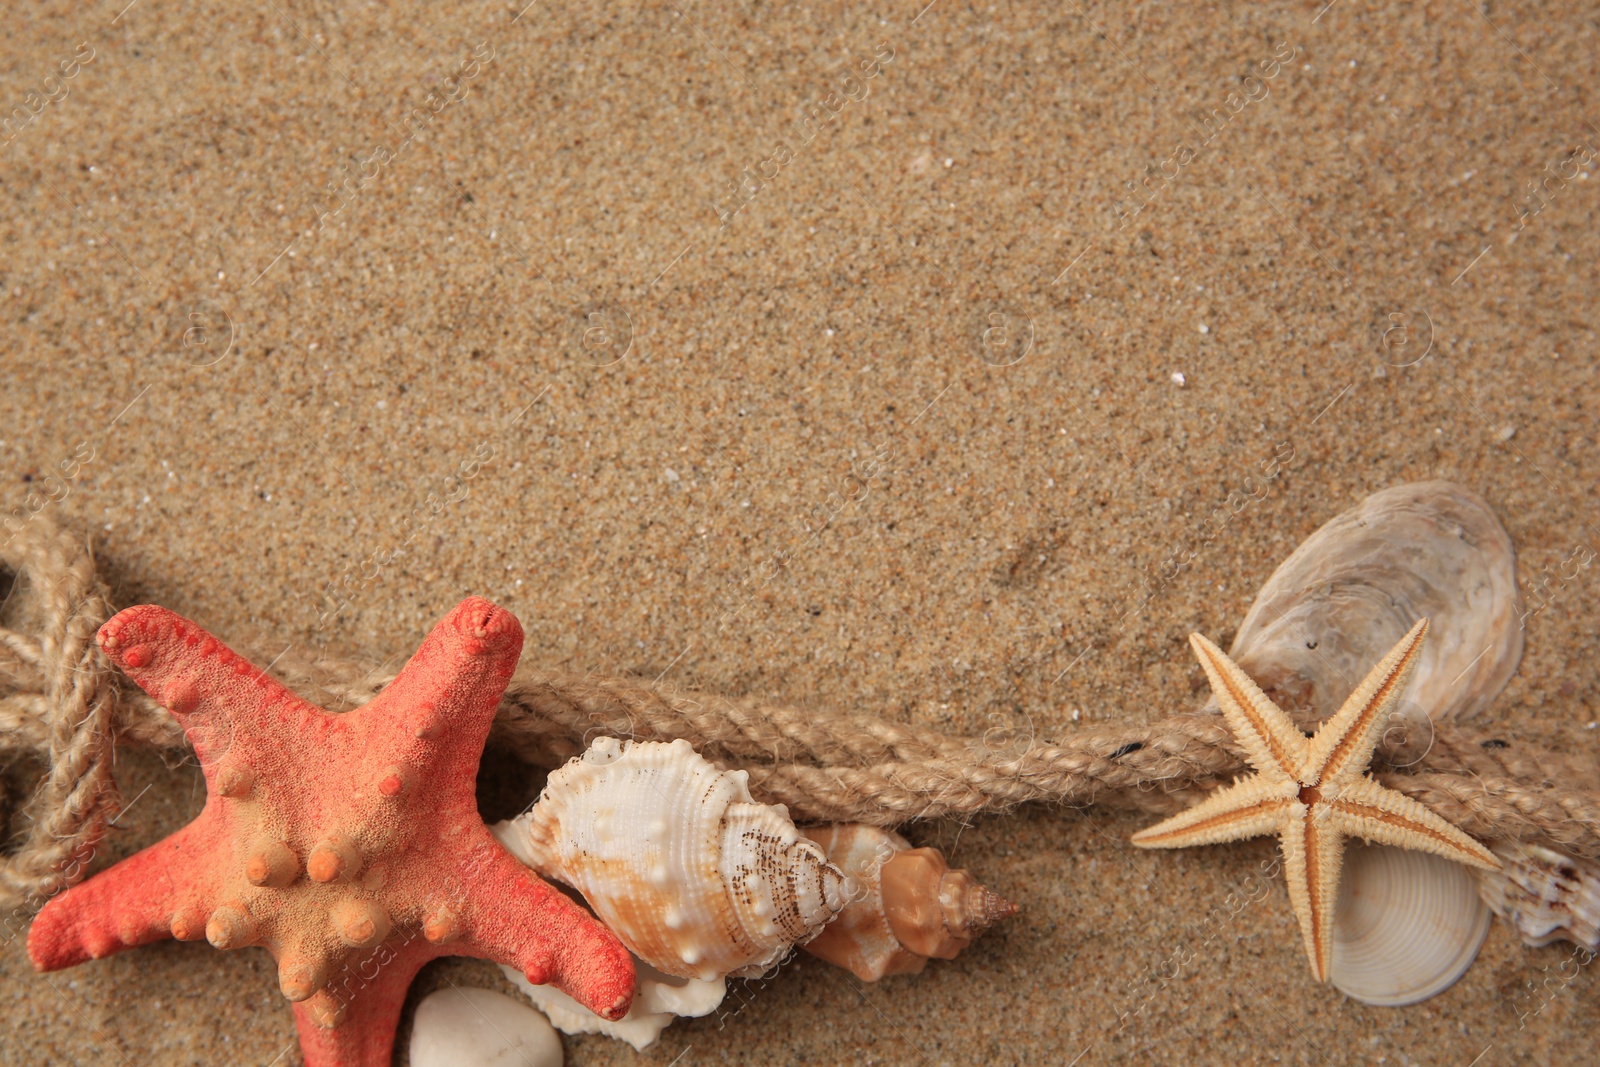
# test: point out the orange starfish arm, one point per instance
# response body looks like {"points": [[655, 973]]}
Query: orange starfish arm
{"points": [[1344, 744], [143, 899], [364, 1005], [1270, 739], [1368, 810], [543, 933], [454, 681], [1247, 808], [221, 699]]}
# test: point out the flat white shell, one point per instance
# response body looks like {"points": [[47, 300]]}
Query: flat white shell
{"points": [[660, 999], [1407, 925], [471, 1027], [1355, 586]]}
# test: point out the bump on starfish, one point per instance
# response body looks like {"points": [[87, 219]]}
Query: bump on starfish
{"points": [[1313, 792], [349, 846]]}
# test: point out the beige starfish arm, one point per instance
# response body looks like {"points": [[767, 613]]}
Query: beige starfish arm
{"points": [[1366, 809], [1313, 852], [1247, 808], [1344, 743], [1270, 739]]}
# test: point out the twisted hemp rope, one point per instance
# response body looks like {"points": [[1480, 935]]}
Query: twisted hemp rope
{"points": [[60, 698]]}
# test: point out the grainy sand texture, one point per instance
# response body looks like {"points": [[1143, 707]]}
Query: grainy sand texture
{"points": [[868, 357]]}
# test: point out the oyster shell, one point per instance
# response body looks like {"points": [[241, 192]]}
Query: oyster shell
{"points": [[1341, 599], [675, 856], [911, 906], [1357, 585]]}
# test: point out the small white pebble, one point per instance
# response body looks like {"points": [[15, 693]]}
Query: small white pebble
{"points": [[1204, 328], [470, 1025], [1507, 433], [1177, 376], [671, 474]]}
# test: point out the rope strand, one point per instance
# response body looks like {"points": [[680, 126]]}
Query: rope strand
{"points": [[61, 699], [63, 704]]}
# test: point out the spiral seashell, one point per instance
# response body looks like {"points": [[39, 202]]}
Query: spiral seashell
{"points": [[676, 857], [1545, 895], [1342, 599], [910, 906], [1407, 925]]}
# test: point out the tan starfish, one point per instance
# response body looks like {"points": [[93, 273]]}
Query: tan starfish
{"points": [[1313, 792]]}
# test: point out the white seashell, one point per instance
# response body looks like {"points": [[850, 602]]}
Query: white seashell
{"points": [[910, 905], [1407, 925], [1332, 609], [677, 858], [660, 999], [1545, 895], [1357, 585], [474, 1027]]}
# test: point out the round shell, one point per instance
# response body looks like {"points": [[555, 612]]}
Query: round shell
{"points": [[677, 858], [1330, 611], [1407, 925]]}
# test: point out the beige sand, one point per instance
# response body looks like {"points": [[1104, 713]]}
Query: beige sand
{"points": [[791, 465]]}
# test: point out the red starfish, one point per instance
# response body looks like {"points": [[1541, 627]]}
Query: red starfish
{"points": [[349, 846]]}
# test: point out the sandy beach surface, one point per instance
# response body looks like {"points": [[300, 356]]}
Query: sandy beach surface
{"points": [[872, 358]]}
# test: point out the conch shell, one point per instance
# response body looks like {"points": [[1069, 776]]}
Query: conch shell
{"points": [[1339, 601], [1544, 895], [677, 859], [910, 907]]}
